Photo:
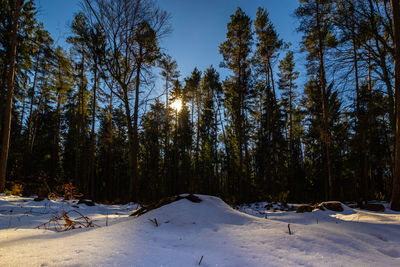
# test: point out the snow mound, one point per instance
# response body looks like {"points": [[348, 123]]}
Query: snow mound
{"points": [[210, 231], [210, 212]]}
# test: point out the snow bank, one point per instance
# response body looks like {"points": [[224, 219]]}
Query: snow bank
{"points": [[188, 231]]}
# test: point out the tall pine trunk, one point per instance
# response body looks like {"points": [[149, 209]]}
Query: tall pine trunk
{"points": [[135, 146], [109, 163], [92, 136], [32, 100], [5, 144], [325, 108], [395, 205], [36, 118]]}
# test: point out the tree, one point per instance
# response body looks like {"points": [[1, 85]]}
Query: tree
{"points": [[287, 78], [61, 83], [318, 36], [236, 54], [193, 93], [267, 115], [13, 15], [268, 44], [169, 72], [146, 55], [314, 141], [80, 30], [131, 30], [208, 133], [395, 205], [96, 50], [155, 127]]}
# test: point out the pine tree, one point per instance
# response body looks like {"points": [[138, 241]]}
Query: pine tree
{"points": [[62, 83], [169, 72], [268, 136], [315, 23], [95, 43], [236, 54], [13, 12], [208, 133], [78, 40], [194, 94], [155, 127], [287, 84]]}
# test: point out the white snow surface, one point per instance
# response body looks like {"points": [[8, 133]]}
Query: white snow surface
{"points": [[187, 232]]}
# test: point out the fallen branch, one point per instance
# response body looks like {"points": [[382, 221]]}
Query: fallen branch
{"points": [[65, 222], [163, 202], [154, 221]]}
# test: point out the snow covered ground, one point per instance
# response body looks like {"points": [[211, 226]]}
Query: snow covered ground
{"points": [[187, 232]]}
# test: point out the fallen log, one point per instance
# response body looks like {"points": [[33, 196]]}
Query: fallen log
{"points": [[163, 202]]}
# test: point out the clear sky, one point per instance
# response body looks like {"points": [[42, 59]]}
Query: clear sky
{"points": [[199, 26]]}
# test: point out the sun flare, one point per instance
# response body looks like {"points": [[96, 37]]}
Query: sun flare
{"points": [[177, 104]]}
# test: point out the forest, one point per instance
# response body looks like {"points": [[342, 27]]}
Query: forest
{"points": [[91, 118]]}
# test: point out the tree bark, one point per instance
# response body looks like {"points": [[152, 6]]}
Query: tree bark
{"points": [[32, 100], [131, 154], [322, 79], [109, 164], [92, 136], [35, 120], [395, 205], [134, 176], [5, 144], [23, 101]]}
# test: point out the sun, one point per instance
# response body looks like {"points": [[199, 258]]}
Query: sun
{"points": [[177, 104]]}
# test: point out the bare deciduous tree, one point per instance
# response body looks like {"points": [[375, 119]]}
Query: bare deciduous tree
{"points": [[132, 30]]}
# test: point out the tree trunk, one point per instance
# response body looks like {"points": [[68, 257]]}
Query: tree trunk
{"points": [[81, 155], [131, 154], [134, 177], [395, 205], [362, 148], [32, 100], [36, 117], [109, 164], [325, 132], [24, 101], [196, 165], [10, 92], [92, 137], [292, 180]]}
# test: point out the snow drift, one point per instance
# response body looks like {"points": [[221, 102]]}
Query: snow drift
{"points": [[187, 232]]}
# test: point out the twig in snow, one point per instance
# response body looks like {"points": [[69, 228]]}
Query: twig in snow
{"points": [[65, 222], [260, 212], [107, 219], [288, 226], [154, 221], [201, 259]]}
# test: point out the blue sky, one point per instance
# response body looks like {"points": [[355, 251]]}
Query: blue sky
{"points": [[199, 26]]}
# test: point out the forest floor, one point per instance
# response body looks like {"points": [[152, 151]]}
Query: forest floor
{"points": [[183, 233]]}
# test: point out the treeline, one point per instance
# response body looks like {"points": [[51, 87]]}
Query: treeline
{"points": [[94, 115]]}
